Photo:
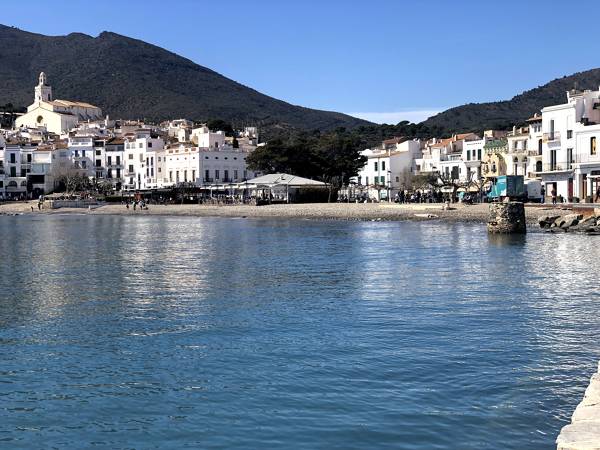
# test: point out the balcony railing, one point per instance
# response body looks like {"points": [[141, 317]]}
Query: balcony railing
{"points": [[557, 167], [551, 138]]}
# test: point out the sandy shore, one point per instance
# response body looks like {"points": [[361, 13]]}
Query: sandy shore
{"points": [[333, 211]]}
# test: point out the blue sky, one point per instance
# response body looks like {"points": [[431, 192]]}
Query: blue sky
{"points": [[384, 60]]}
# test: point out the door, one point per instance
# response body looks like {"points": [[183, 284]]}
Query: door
{"points": [[570, 190]]}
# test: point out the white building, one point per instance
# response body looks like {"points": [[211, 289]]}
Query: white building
{"points": [[184, 163], [56, 116], [389, 168], [445, 157], [138, 146], [570, 160]]}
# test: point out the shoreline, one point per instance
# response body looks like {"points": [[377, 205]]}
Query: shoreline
{"points": [[458, 213]]}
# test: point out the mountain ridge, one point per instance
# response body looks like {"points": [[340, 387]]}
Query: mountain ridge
{"points": [[130, 78], [505, 113]]}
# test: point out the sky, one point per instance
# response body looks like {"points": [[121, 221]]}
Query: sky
{"points": [[382, 60]]}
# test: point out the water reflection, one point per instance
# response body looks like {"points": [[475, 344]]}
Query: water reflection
{"points": [[142, 331]]}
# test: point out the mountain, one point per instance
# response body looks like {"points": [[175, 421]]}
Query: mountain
{"points": [[129, 78], [503, 114]]}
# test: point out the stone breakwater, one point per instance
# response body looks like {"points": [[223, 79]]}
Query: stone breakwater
{"points": [[576, 223], [583, 433]]}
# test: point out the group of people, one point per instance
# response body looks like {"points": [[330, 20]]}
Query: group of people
{"points": [[135, 203]]}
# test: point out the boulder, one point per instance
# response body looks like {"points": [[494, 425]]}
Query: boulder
{"points": [[547, 221]]}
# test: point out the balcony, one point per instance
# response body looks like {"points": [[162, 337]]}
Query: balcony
{"points": [[551, 138], [557, 167]]}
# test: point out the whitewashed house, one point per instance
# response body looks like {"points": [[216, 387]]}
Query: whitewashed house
{"points": [[570, 160], [388, 169]]}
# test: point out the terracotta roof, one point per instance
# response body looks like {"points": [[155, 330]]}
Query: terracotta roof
{"points": [[396, 140], [535, 118], [70, 103]]}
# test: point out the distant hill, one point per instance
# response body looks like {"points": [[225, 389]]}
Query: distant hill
{"points": [[129, 78], [503, 114]]}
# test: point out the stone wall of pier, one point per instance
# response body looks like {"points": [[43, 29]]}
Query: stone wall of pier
{"points": [[583, 433]]}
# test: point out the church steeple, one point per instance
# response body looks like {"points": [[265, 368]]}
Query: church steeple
{"points": [[43, 92]]}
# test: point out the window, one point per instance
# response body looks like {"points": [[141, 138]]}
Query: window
{"points": [[468, 155], [569, 134], [118, 173], [226, 175], [84, 164], [375, 166], [130, 168], [478, 153], [569, 157], [13, 171], [235, 174], [152, 172], [109, 161], [185, 176], [217, 175], [141, 145], [13, 159], [206, 175], [177, 176], [98, 152], [170, 175], [118, 160], [109, 173], [382, 165], [193, 175], [130, 156], [98, 174], [397, 179], [593, 145], [149, 144], [98, 163], [366, 181]]}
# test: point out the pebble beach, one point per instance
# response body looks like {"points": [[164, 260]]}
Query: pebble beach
{"points": [[320, 211]]}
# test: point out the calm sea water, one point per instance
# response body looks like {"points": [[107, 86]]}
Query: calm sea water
{"points": [[143, 332]]}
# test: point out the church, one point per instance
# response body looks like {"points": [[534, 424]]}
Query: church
{"points": [[57, 116]]}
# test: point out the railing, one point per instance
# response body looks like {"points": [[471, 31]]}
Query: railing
{"points": [[557, 167], [551, 138], [533, 153], [208, 180]]}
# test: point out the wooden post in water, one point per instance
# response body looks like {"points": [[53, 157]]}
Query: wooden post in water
{"points": [[506, 218]]}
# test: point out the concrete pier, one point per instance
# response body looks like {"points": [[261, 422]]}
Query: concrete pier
{"points": [[506, 218], [583, 433]]}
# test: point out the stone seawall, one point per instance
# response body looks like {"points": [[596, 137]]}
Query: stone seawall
{"points": [[583, 433]]}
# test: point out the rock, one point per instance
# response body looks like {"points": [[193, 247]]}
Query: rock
{"points": [[547, 220], [507, 218], [584, 225]]}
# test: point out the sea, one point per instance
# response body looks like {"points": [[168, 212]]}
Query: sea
{"points": [[146, 332]]}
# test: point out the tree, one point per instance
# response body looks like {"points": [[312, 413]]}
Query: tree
{"points": [[220, 125], [69, 179]]}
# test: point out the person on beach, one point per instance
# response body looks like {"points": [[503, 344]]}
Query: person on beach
{"points": [[553, 194], [543, 194]]}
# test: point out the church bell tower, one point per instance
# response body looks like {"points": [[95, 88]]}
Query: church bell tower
{"points": [[43, 92]]}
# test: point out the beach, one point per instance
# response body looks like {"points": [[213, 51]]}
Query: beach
{"points": [[325, 211]]}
